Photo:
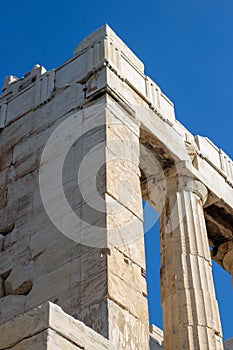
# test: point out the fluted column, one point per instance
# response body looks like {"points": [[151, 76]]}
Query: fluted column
{"points": [[190, 311]]}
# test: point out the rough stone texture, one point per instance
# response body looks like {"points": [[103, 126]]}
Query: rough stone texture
{"points": [[123, 138], [48, 327]]}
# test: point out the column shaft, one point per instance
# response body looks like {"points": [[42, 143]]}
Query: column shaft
{"points": [[190, 310]]}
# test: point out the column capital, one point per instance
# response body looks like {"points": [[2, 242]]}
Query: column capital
{"points": [[179, 183], [225, 255]]}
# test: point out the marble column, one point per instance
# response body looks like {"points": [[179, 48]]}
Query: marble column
{"points": [[190, 311]]}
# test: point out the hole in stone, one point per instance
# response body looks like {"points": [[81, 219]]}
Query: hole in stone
{"points": [[6, 274], [7, 229], [25, 288], [33, 79]]}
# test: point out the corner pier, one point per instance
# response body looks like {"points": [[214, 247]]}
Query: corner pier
{"points": [[95, 269]]}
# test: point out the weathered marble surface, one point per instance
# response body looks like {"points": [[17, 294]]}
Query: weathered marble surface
{"points": [[48, 327], [128, 126]]}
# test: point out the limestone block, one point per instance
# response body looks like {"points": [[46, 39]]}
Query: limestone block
{"points": [[123, 142], [11, 306], [226, 164], [105, 32], [15, 132], [43, 239], [33, 221], [55, 341], [123, 184], [96, 135], [49, 286], [131, 299], [118, 116], [156, 338], [56, 255], [48, 323], [80, 281], [209, 150], [90, 214], [54, 206], [76, 331], [122, 323], [92, 291], [25, 326], [132, 75], [96, 82], [27, 164], [36, 342], [95, 316], [124, 227], [20, 104], [153, 92], [74, 71], [20, 193], [93, 115], [167, 108], [44, 87], [79, 231], [113, 54], [123, 267]]}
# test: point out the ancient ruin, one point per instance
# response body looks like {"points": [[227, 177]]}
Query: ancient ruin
{"points": [[81, 146]]}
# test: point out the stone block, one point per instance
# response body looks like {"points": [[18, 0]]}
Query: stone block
{"points": [[11, 306], [36, 342], [49, 325], [122, 323], [65, 74], [43, 239], [49, 286], [128, 297], [20, 104], [123, 184], [95, 316], [6, 159], [122, 266], [124, 227], [55, 341], [167, 109], [156, 338]]}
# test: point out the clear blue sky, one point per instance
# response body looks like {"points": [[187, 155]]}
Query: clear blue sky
{"points": [[186, 46]]}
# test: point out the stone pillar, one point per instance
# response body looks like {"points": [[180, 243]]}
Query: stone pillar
{"points": [[190, 311]]}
